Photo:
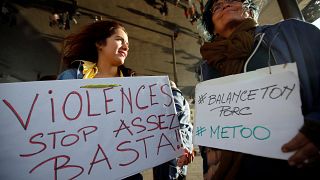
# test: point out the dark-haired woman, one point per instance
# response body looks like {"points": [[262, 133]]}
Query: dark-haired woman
{"points": [[98, 51]]}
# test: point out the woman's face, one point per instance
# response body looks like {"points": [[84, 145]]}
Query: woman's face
{"points": [[115, 49], [226, 14]]}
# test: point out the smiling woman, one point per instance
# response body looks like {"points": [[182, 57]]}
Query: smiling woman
{"points": [[227, 15], [214, 8], [98, 51]]}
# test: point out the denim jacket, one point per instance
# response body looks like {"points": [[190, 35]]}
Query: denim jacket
{"points": [[297, 41], [183, 113]]}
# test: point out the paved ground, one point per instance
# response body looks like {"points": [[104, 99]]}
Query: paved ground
{"points": [[194, 169]]}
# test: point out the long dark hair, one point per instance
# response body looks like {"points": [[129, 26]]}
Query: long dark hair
{"points": [[207, 14], [82, 46]]}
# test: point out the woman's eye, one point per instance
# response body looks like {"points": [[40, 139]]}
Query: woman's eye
{"points": [[122, 41]]}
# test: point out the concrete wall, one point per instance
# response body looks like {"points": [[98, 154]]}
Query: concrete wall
{"points": [[31, 48]]}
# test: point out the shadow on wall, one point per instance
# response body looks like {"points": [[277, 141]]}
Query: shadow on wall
{"points": [[158, 72], [153, 3], [52, 56], [169, 25], [60, 6], [181, 55], [25, 55]]}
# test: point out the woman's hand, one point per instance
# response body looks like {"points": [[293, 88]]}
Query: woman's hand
{"points": [[186, 158], [306, 151]]}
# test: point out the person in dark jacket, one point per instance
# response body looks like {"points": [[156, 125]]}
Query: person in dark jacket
{"points": [[176, 169], [98, 51], [238, 45]]}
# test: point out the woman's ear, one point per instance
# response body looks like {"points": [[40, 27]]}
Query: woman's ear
{"points": [[99, 46]]}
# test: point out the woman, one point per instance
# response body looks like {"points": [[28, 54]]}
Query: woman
{"points": [[98, 51], [238, 45]]}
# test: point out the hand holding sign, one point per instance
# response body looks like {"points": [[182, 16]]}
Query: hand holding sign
{"points": [[306, 151], [254, 112], [64, 131]]}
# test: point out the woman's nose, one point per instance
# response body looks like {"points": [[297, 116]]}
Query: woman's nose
{"points": [[125, 46]]}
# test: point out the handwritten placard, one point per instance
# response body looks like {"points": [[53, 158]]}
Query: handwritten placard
{"points": [[253, 112], [86, 129]]}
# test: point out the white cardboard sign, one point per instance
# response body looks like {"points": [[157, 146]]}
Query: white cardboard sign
{"points": [[68, 130], [254, 112]]}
